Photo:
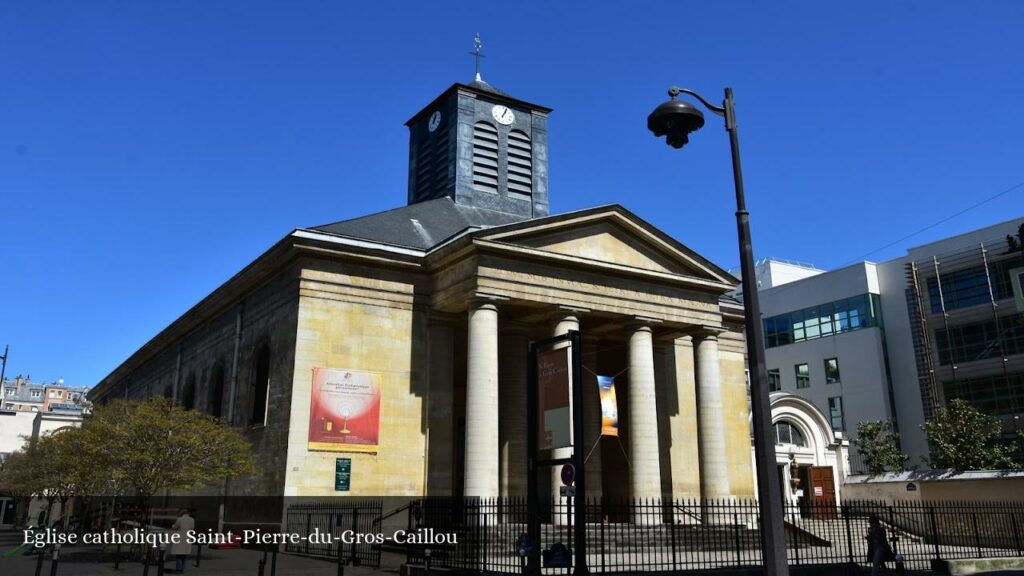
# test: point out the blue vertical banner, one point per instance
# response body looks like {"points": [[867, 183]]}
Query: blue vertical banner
{"points": [[609, 406]]}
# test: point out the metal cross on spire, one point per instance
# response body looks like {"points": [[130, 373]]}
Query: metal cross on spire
{"points": [[477, 45]]}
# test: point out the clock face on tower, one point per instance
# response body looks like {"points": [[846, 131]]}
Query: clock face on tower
{"points": [[503, 115], [435, 120]]}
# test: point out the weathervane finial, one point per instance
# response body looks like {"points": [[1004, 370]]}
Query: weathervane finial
{"points": [[477, 45]]}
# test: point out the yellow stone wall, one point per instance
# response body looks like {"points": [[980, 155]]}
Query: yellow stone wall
{"points": [[737, 426], [685, 451], [359, 320]]}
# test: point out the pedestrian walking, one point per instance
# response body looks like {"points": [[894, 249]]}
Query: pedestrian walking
{"points": [[879, 551], [181, 549]]}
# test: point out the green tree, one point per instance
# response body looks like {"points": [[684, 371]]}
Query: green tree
{"points": [[42, 468], [878, 445], [152, 445], [129, 448], [961, 438]]}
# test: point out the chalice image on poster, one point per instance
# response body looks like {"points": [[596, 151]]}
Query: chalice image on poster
{"points": [[344, 410]]}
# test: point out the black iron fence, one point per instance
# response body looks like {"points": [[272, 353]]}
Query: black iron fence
{"points": [[343, 531], [481, 535]]}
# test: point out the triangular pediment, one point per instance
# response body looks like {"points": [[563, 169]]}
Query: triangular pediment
{"points": [[611, 236]]}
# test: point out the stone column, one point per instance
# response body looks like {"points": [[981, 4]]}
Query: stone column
{"points": [[714, 470], [441, 433], [564, 321], [481, 474], [645, 466], [513, 411]]}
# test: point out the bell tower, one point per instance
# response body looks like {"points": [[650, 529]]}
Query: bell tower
{"points": [[482, 148]]}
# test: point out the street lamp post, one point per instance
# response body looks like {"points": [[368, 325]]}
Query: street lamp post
{"points": [[674, 120]]}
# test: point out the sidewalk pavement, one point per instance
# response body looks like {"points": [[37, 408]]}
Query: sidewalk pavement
{"points": [[235, 562]]}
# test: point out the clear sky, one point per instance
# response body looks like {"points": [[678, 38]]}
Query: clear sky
{"points": [[149, 150]]}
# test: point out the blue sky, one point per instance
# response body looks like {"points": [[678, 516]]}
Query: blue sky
{"points": [[149, 150]]}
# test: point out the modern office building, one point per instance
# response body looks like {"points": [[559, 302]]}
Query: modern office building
{"points": [[953, 316], [894, 340]]}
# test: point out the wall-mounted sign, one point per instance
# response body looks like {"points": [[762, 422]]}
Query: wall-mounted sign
{"points": [[553, 398], [344, 412], [911, 487], [342, 474]]}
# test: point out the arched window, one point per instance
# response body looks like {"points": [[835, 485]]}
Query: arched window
{"points": [[260, 387], [215, 393], [787, 433], [520, 163], [485, 157], [188, 393]]}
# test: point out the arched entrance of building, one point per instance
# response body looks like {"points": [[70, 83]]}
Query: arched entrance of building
{"points": [[811, 459]]}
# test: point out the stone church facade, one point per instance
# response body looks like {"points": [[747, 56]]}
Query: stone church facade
{"points": [[439, 300]]}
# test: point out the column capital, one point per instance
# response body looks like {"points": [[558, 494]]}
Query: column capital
{"points": [[641, 323], [707, 332], [479, 300], [563, 313]]}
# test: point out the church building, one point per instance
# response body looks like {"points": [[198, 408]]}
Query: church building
{"points": [[394, 345]]}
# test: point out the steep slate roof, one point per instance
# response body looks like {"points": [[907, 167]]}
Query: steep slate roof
{"points": [[422, 226]]}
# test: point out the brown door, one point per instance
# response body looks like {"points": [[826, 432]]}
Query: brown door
{"points": [[823, 491]]}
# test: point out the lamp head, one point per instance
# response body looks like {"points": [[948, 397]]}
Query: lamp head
{"points": [[675, 120]]}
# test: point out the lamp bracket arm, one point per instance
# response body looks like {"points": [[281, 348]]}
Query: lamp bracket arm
{"points": [[676, 91]]}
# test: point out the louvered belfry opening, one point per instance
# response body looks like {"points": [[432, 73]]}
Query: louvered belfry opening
{"points": [[520, 163], [432, 166], [485, 157]]}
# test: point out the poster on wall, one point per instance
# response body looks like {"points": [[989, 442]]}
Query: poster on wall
{"points": [[344, 412], [553, 398], [609, 406]]}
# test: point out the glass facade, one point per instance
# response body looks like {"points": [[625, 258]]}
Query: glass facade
{"points": [[981, 340], [845, 315], [996, 394], [803, 375], [831, 370], [969, 287]]}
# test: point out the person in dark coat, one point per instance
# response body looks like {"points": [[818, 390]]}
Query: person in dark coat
{"points": [[879, 551]]}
